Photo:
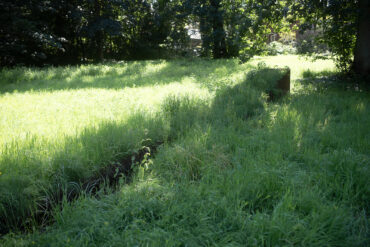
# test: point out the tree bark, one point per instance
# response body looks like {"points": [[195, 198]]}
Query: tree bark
{"points": [[205, 32], [99, 35], [219, 35], [100, 46], [361, 63]]}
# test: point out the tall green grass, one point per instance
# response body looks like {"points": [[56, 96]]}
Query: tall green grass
{"points": [[233, 169], [60, 126]]}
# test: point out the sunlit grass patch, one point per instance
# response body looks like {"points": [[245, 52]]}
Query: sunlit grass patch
{"points": [[55, 114]]}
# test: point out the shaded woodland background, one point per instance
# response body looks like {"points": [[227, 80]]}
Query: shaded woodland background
{"points": [[76, 31]]}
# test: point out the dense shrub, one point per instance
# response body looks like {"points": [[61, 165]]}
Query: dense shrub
{"points": [[278, 48], [308, 42]]}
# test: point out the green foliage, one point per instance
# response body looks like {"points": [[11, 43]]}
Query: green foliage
{"points": [[24, 35], [57, 32], [338, 20], [308, 42], [278, 48]]}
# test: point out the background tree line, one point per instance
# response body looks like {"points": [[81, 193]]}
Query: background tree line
{"points": [[36, 32], [72, 31]]}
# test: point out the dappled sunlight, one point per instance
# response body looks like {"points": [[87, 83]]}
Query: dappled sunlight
{"points": [[116, 76], [324, 73], [313, 120], [209, 74]]}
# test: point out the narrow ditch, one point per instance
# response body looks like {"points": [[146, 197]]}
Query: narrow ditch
{"points": [[109, 176]]}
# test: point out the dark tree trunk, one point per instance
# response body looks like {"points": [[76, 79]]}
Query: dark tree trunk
{"points": [[99, 35], [205, 31], [219, 35], [81, 45], [100, 46], [361, 63]]}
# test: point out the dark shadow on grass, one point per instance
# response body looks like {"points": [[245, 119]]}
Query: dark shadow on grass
{"points": [[329, 79], [309, 121]]}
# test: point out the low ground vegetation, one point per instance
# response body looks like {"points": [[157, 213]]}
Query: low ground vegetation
{"points": [[223, 165]]}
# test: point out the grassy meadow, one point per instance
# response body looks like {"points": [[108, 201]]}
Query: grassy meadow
{"points": [[200, 155]]}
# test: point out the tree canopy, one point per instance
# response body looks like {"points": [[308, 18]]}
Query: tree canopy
{"points": [[346, 29], [70, 31]]}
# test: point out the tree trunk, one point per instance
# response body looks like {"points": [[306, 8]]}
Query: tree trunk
{"points": [[99, 35], [219, 35], [100, 46], [205, 32], [82, 48], [361, 63]]}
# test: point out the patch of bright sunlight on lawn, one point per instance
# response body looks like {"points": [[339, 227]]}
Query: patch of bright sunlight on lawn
{"points": [[53, 115], [56, 102]]}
